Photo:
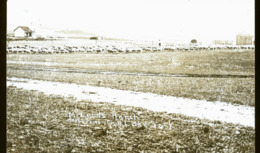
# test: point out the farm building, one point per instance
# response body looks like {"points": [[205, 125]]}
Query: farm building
{"points": [[244, 39], [222, 42], [23, 31]]}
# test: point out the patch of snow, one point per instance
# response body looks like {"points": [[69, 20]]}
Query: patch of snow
{"points": [[236, 114]]}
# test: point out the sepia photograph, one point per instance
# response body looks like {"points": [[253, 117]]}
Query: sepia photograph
{"points": [[123, 76]]}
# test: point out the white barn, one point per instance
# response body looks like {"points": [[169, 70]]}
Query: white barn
{"points": [[23, 31]]}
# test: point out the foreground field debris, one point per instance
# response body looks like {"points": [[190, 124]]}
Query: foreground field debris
{"points": [[38, 122], [215, 111]]}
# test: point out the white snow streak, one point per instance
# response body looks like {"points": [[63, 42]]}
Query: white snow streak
{"points": [[236, 114]]}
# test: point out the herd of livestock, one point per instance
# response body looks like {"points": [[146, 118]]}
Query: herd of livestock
{"points": [[115, 49]]}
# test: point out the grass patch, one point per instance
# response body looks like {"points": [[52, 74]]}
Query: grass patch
{"points": [[40, 123], [178, 62]]}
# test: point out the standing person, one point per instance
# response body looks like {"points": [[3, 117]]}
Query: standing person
{"points": [[160, 45]]}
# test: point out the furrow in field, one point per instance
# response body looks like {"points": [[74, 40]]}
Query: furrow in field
{"points": [[43, 67]]}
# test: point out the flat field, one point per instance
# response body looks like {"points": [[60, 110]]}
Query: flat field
{"points": [[226, 76], [43, 123], [178, 62]]}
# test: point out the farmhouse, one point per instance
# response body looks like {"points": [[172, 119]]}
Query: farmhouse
{"points": [[23, 31], [244, 39]]}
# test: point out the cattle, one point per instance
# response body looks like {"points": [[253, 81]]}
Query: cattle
{"points": [[118, 47]]}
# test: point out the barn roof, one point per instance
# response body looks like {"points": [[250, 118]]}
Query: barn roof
{"points": [[24, 28], [244, 34]]}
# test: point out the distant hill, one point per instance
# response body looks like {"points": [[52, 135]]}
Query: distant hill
{"points": [[75, 32], [80, 34]]}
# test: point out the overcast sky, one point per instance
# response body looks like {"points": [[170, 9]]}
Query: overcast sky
{"points": [[157, 19]]}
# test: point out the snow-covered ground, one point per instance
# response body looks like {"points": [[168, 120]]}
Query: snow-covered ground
{"points": [[237, 114]]}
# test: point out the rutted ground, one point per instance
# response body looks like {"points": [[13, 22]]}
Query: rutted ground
{"points": [[236, 114], [41, 123]]}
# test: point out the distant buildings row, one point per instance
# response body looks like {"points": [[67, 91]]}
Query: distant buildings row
{"points": [[241, 39]]}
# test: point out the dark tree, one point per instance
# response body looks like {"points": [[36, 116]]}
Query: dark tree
{"points": [[93, 38], [193, 41]]}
